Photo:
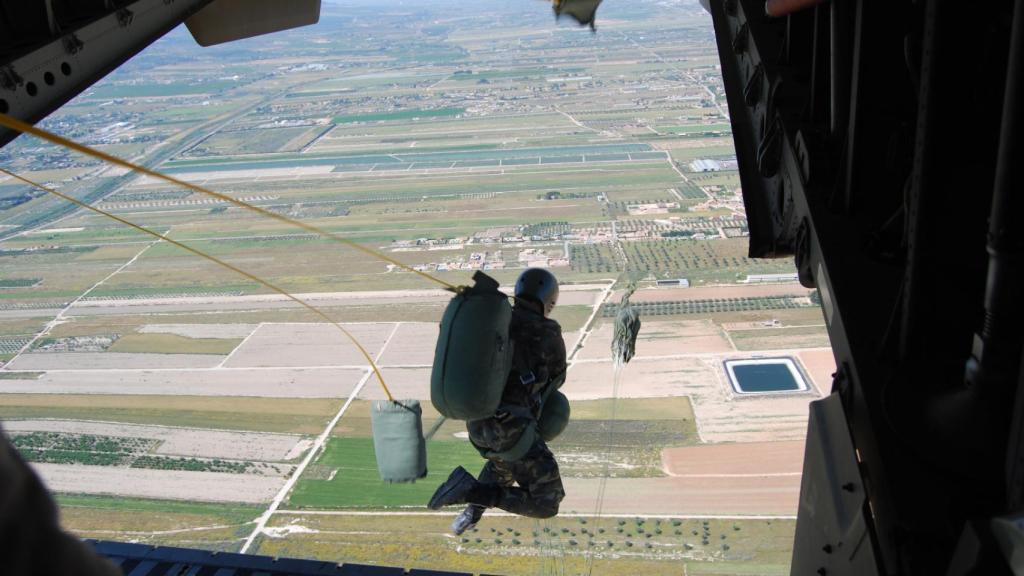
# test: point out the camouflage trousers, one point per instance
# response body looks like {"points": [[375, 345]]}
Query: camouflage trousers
{"points": [[530, 486]]}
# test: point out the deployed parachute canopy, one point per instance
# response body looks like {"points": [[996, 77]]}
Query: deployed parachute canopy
{"points": [[627, 327]]}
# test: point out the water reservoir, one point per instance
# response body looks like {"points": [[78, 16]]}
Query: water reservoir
{"points": [[765, 376]]}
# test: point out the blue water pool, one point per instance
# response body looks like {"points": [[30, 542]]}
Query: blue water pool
{"points": [[765, 376]]}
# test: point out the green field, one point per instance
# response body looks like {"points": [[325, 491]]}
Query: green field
{"points": [[18, 282], [398, 115], [696, 128], [562, 545], [143, 90], [641, 428], [358, 485], [291, 415], [218, 527]]}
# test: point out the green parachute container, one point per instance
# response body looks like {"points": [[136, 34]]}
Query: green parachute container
{"points": [[473, 357], [554, 416], [398, 440]]}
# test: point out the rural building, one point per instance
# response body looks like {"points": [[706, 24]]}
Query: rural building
{"points": [[770, 278], [705, 165]]}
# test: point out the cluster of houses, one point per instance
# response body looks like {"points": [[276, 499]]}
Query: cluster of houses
{"points": [[494, 260]]}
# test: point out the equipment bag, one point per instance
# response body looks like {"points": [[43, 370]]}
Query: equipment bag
{"points": [[554, 416], [473, 357], [398, 440]]}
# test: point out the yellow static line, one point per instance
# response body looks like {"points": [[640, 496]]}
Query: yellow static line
{"points": [[217, 261], [19, 126]]}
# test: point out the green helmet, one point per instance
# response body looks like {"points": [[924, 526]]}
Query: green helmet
{"points": [[554, 416], [539, 286]]}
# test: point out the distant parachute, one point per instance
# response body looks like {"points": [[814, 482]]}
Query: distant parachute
{"points": [[582, 11], [627, 327]]}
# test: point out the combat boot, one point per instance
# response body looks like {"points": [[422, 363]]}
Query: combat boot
{"points": [[454, 489], [467, 519]]}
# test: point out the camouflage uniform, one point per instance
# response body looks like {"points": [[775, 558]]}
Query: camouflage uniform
{"points": [[541, 353]]}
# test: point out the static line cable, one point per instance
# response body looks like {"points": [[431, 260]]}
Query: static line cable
{"points": [[218, 262], [19, 126]]}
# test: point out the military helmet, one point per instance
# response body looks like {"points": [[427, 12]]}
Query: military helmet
{"points": [[554, 416], [539, 286]]}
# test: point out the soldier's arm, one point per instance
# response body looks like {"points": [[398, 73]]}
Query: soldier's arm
{"points": [[32, 541], [554, 346]]}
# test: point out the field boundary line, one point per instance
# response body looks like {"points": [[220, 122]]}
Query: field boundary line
{"points": [[749, 475], [496, 512], [166, 426], [587, 326], [314, 450], [237, 348], [724, 354], [60, 315], [214, 368]]}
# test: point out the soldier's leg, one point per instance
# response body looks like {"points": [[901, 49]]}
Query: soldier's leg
{"points": [[493, 474], [496, 472], [540, 488]]}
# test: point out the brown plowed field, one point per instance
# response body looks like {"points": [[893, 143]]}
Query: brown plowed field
{"points": [[724, 460], [769, 495]]}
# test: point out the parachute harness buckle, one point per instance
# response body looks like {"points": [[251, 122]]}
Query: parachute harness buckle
{"points": [[527, 378]]}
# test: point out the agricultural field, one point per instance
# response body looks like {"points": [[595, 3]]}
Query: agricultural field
{"points": [[635, 544], [169, 400]]}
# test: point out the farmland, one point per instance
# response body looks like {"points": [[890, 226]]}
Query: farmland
{"points": [[168, 400], [621, 545]]}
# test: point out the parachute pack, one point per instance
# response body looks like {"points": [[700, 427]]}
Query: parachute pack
{"points": [[474, 352], [473, 360]]}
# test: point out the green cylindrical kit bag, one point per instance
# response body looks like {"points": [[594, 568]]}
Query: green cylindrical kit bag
{"points": [[398, 440], [474, 353]]}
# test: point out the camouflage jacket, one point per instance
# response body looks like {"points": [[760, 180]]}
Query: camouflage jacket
{"points": [[539, 365]]}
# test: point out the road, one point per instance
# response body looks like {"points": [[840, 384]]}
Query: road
{"points": [[313, 452]]}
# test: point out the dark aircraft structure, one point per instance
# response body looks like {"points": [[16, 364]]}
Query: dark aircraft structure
{"points": [[880, 146]]}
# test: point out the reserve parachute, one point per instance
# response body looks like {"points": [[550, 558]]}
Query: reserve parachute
{"points": [[473, 357], [554, 416]]}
